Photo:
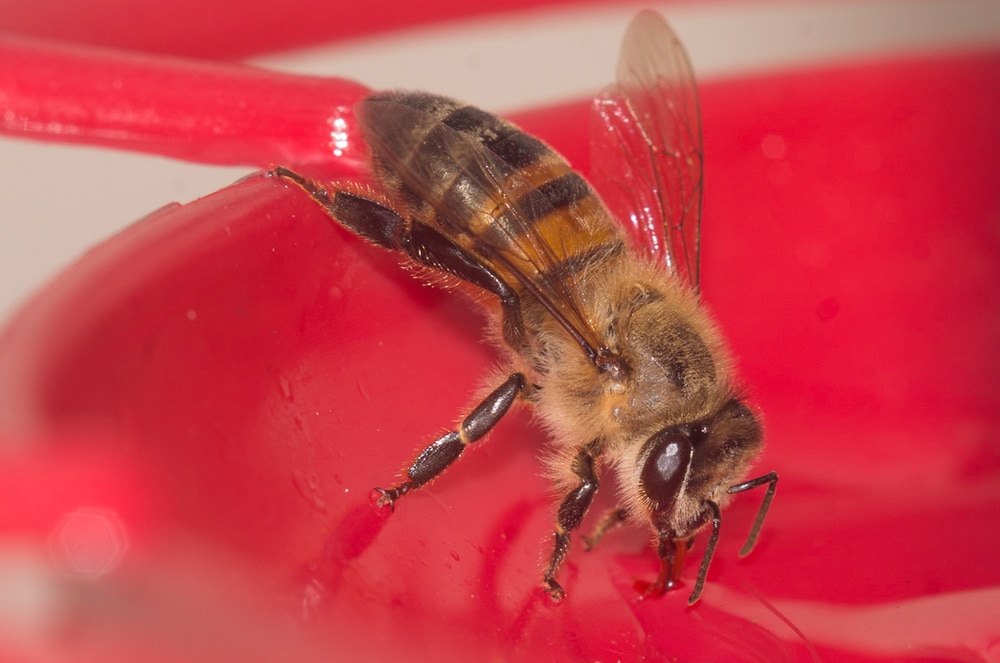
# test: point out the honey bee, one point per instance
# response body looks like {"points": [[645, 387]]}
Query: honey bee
{"points": [[599, 319]]}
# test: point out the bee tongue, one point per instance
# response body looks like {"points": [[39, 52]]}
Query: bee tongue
{"points": [[670, 572]]}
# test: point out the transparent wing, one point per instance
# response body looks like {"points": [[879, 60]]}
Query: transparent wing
{"points": [[646, 147], [494, 209]]}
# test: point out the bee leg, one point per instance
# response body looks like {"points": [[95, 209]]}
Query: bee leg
{"points": [[385, 227], [611, 518], [672, 551], [433, 460], [571, 512], [713, 515], [771, 479]]}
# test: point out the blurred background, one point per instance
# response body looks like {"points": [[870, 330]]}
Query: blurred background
{"points": [[58, 200]]}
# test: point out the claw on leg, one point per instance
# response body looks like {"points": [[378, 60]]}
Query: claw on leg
{"points": [[554, 590], [386, 497]]}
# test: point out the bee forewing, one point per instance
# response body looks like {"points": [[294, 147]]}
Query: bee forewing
{"points": [[646, 147]]}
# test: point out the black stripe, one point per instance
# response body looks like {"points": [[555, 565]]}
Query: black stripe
{"points": [[505, 140], [592, 255], [518, 149], [469, 119], [555, 194], [547, 198]]}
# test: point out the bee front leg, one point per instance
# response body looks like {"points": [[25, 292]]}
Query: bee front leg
{"points": [[571, 512], [771, 480], [433, 460]]}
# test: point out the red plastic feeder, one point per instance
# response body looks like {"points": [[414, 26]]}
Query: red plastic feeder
{"points": [[194, 414]]}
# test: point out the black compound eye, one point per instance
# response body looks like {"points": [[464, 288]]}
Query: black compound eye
{"points": [[664, 462]]}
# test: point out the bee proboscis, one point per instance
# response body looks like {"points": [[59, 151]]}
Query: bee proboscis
{"points": [[594, 304]]}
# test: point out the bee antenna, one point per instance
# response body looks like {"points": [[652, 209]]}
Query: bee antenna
{"points": [[771, 479], [706, 559]]}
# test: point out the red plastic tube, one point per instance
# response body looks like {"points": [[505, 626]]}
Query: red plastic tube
{"points": [[186, 109]]}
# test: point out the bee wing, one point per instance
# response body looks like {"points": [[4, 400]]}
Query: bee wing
{"points": [[492, 211], [650, 117]]}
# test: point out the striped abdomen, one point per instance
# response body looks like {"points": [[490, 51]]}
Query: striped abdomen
{"points": [[497, 191]]}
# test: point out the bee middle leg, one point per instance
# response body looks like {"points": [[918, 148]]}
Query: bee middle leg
{"points": [[433, 460], [571, 512]]}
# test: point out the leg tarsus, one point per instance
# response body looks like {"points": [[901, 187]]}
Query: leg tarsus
{"points": [[444, 451], [433, 460], [571, 512], [561, 547], [771, 479], [713, 515]]}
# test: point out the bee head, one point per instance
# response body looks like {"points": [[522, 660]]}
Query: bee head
{"points": [[682, 468]]}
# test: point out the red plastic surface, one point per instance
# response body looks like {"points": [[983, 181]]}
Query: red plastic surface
{"points": [[186, 109], [233, 28], [196, 412]]}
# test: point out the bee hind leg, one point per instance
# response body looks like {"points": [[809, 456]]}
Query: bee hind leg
{"points": [[422, 243], [571, 512], [611, 518], [433, 460]]}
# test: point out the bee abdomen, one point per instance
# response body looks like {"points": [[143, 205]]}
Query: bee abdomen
{"points": [[512, 145], [496, 190]]}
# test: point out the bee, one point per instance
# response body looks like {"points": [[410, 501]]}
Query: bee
{"points": [[594, 304]]}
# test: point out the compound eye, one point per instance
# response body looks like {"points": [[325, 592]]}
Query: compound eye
{"points": [[664, 462]]}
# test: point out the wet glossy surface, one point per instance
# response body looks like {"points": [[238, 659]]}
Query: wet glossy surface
{"points": [[194, 110], [198, 410]]}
